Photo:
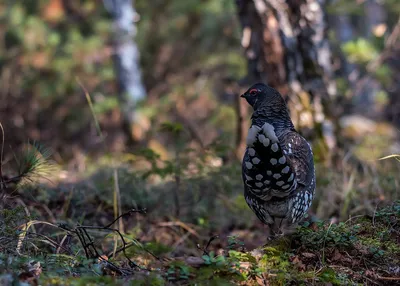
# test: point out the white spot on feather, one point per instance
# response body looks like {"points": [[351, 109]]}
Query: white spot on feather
{"points": [[252, 135], [256, 160], [274, 147], [276, 176], [265, 142], [248, 165], [269, 131], [273, 161], [267, 182], [252, 152], [282, 160], [259, 177], [248, 178], [286, 170], [259, 184], [280, 183], [285, 187], [269, 173]]}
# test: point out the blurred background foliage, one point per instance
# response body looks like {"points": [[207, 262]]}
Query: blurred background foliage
{"points": [[47, 45], [192, 62]]}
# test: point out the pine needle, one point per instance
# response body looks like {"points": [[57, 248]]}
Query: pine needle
{"points": [[34, 163], [89, 100], [395, 156]]}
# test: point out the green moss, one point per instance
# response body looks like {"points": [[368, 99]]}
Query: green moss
{"points": [[390, 246], [379, 235], [329, 275], [333, 235], [276, 262]]}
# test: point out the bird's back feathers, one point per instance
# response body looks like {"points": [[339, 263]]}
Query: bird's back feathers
{"points": [[266, 168]]}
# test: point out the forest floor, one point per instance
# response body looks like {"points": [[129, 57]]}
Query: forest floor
{"points": [[90, 228]]}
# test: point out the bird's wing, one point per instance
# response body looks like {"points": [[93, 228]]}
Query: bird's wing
{"points": [[299, 156], [272, 166]]}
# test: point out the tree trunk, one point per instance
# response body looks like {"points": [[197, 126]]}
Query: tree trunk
{"points": [[126, 59], [286, 47]]}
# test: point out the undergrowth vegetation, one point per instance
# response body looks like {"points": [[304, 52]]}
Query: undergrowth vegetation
{"points": [[189, 225], [349, 253]]}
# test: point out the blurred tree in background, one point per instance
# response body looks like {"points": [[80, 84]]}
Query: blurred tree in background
{"points": [[287, 47], [126, 57], [47, 45]]}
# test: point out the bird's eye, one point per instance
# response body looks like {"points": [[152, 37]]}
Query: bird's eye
{"points": [[253, 91]]}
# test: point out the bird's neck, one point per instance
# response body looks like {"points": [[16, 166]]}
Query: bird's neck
{"points": [[280, 121]]}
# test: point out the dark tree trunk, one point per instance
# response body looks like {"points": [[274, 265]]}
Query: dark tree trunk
{"points": [[286, 47]]}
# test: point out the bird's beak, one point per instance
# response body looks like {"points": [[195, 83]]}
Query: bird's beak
{"points": [[243, 95]]}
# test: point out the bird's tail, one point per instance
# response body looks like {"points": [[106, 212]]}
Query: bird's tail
{"points": [[268, 163]]}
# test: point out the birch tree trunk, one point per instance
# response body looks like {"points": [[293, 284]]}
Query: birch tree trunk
{"points": [[126, 60], [286, 47]]}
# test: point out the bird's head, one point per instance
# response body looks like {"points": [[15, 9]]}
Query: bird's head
{"points": [[261, 95]]}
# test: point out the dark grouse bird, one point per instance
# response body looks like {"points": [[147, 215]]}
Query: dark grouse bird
{"points": [[278, 168]]}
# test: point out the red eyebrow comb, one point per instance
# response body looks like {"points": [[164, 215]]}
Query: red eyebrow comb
{"points": [[253, 90]]}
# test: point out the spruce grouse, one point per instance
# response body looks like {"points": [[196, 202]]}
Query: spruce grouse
{"points": [[278, 168]]}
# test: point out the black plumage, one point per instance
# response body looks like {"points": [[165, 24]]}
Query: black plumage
{"points": [[278, 168]]}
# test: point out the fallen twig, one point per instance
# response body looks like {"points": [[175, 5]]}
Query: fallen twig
{"points": [[205, 252]]}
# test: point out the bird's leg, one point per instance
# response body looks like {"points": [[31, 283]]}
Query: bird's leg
{"points": [[271, 236], [275, 234]]}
